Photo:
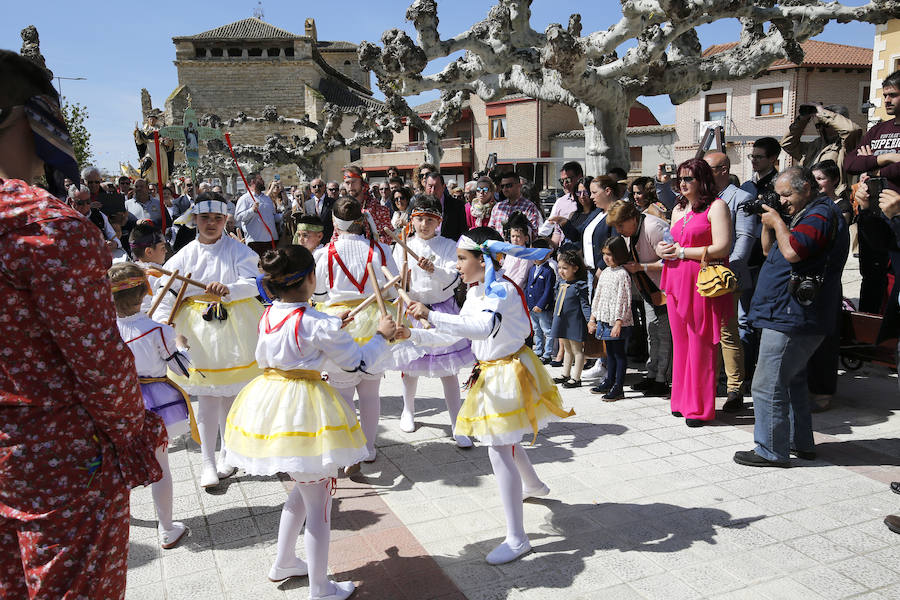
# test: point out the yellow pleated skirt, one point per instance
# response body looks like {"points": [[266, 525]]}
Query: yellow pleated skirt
{"points": [[363, 326], [292, 421], [223, 353], [513, 397]]}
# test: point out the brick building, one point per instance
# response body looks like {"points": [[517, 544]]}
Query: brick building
{"points": [[248, 64], [521, 130], [886, 60], [766, 105]]}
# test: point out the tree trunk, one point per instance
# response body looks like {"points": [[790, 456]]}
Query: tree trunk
{"points": [[433, 149], [605, 141]]}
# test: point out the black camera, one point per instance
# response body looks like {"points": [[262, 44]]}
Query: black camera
{"points": [[807, 109], [755, 206], [805, 287]]}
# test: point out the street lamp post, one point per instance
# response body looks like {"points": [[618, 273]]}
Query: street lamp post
{"points": [[59, 83]]}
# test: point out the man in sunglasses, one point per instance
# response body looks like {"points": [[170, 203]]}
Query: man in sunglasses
{"points": [[320, 204], [79, 198], [838, 135], [569, 176], [511, 188]]}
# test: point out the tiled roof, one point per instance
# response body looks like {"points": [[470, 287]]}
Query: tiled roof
{"points": [[577, 134], [335, 92], [817, 54], [336, 45], [245, 29]]}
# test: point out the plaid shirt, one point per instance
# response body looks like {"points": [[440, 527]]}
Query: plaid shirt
{"points": [[503, 209]]}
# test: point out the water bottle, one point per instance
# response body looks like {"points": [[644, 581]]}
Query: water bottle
{"points": [[667, 238]]}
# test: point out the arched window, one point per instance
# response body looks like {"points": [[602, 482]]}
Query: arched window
{"points": [[274, 51], [200, 52], [254, 52], [215, 52], [235, 52], [289, 52]]}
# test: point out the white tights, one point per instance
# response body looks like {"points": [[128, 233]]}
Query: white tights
{"points": [[512, 468], [309, 502], [162, 490], [451, 395], [212, 412], [369, 407]]}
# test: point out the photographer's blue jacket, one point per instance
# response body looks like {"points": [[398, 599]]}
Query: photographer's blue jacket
{"points": [[823, 249]]}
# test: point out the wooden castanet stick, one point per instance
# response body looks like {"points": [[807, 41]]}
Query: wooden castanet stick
{"points": [[164, 291], [365, 303], [178, 300], [382, 308], [403, 275], [403, 245], [405, 298]]}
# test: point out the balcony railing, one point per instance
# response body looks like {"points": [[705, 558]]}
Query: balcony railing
{"points": [[419, 145]]}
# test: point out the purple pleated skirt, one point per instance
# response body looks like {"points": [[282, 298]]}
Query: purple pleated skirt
{"points": [[440, 362], [169, 403]]}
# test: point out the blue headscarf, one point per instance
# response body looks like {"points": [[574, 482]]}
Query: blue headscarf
{"points": [[493, 286]]}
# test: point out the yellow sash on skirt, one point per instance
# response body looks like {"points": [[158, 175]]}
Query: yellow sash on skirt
{"points": [[529, 385], [195, 433]]}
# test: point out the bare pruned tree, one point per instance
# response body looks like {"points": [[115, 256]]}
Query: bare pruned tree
{"points": [[504, 54], [372, 126], [435, 127]]}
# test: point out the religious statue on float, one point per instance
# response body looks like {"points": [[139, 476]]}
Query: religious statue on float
{"points": [[143, 139]]}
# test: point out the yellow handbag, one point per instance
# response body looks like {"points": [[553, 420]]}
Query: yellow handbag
{"points": [[715, 280]]}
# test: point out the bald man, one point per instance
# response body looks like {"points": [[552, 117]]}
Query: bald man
{"points": [[745, 233]]}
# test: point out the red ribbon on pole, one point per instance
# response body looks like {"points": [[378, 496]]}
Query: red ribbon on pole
{"points": [[249, 191], [159, 183]]}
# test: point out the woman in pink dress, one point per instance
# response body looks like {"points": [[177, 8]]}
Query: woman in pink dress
{"points": [[700, 221]]}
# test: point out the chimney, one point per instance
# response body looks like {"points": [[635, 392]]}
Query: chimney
{"points": [[311, 29]]}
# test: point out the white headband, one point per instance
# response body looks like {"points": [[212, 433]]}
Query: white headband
{"points": [[344, 225], [206, 206]]}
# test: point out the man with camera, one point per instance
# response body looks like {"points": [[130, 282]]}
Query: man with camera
{"points": [[795, 306], [838, 135]]}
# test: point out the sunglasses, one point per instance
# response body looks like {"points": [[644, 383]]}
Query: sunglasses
{"points": [[565, 181], [504, 186], [757, 156], [483, 189], [332, 189], [316, 185], [423, 175], [90, 181], [688, 180]]}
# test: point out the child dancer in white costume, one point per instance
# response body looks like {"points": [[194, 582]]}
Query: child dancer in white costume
{"points": [[219, 322], [289, 420], [148, 249], [155, 346], [512, 395], [433, 280], [342, 282]]}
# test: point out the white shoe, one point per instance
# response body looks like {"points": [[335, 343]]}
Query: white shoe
{"points": [[371, 457], [407, 422], [536, 492], [342, 591], [352, 469], [224, 470], [278, 574], [208, 476], [170, 538], [504, 553], [596, 372], [463, 441]]}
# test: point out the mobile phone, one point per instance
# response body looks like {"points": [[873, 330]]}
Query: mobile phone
{"points": [[875, 185], [670, 169], [277, 177]]}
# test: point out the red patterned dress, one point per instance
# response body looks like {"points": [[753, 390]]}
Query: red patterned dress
{"points": [[74, 435]]}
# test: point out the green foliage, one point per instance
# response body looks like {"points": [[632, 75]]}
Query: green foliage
{"points": [[75, 115]]}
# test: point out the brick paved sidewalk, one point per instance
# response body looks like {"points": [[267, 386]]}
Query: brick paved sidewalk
{"points": [[640, 507]]}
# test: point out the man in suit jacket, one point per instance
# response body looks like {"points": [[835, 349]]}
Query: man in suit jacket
{"points": [[454, 223], [320, 205]]}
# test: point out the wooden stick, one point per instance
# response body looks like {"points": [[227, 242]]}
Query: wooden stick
{"points": [[403, 245], [405, 298], [175, 275], [365, 303], [164, 291], [402, 285], [382, 308], [178, 301]]}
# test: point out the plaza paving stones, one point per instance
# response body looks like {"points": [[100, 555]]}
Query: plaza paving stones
{"points": [[640, 507]]}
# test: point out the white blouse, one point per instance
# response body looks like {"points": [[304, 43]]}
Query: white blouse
{"points": [[150, 342], [425, 287], [496, 327], [353, 250], [152, 279], [319, 345], [227, 261], [612, 297]]}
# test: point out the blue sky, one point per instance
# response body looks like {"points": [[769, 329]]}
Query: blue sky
{"points": [[120, 47]]}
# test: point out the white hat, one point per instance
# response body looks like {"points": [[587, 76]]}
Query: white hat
{"points": [[202, 207]]}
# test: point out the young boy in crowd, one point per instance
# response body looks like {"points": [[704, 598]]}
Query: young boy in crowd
{"points": [[309, 232], [518, 232], [539, 286]]}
